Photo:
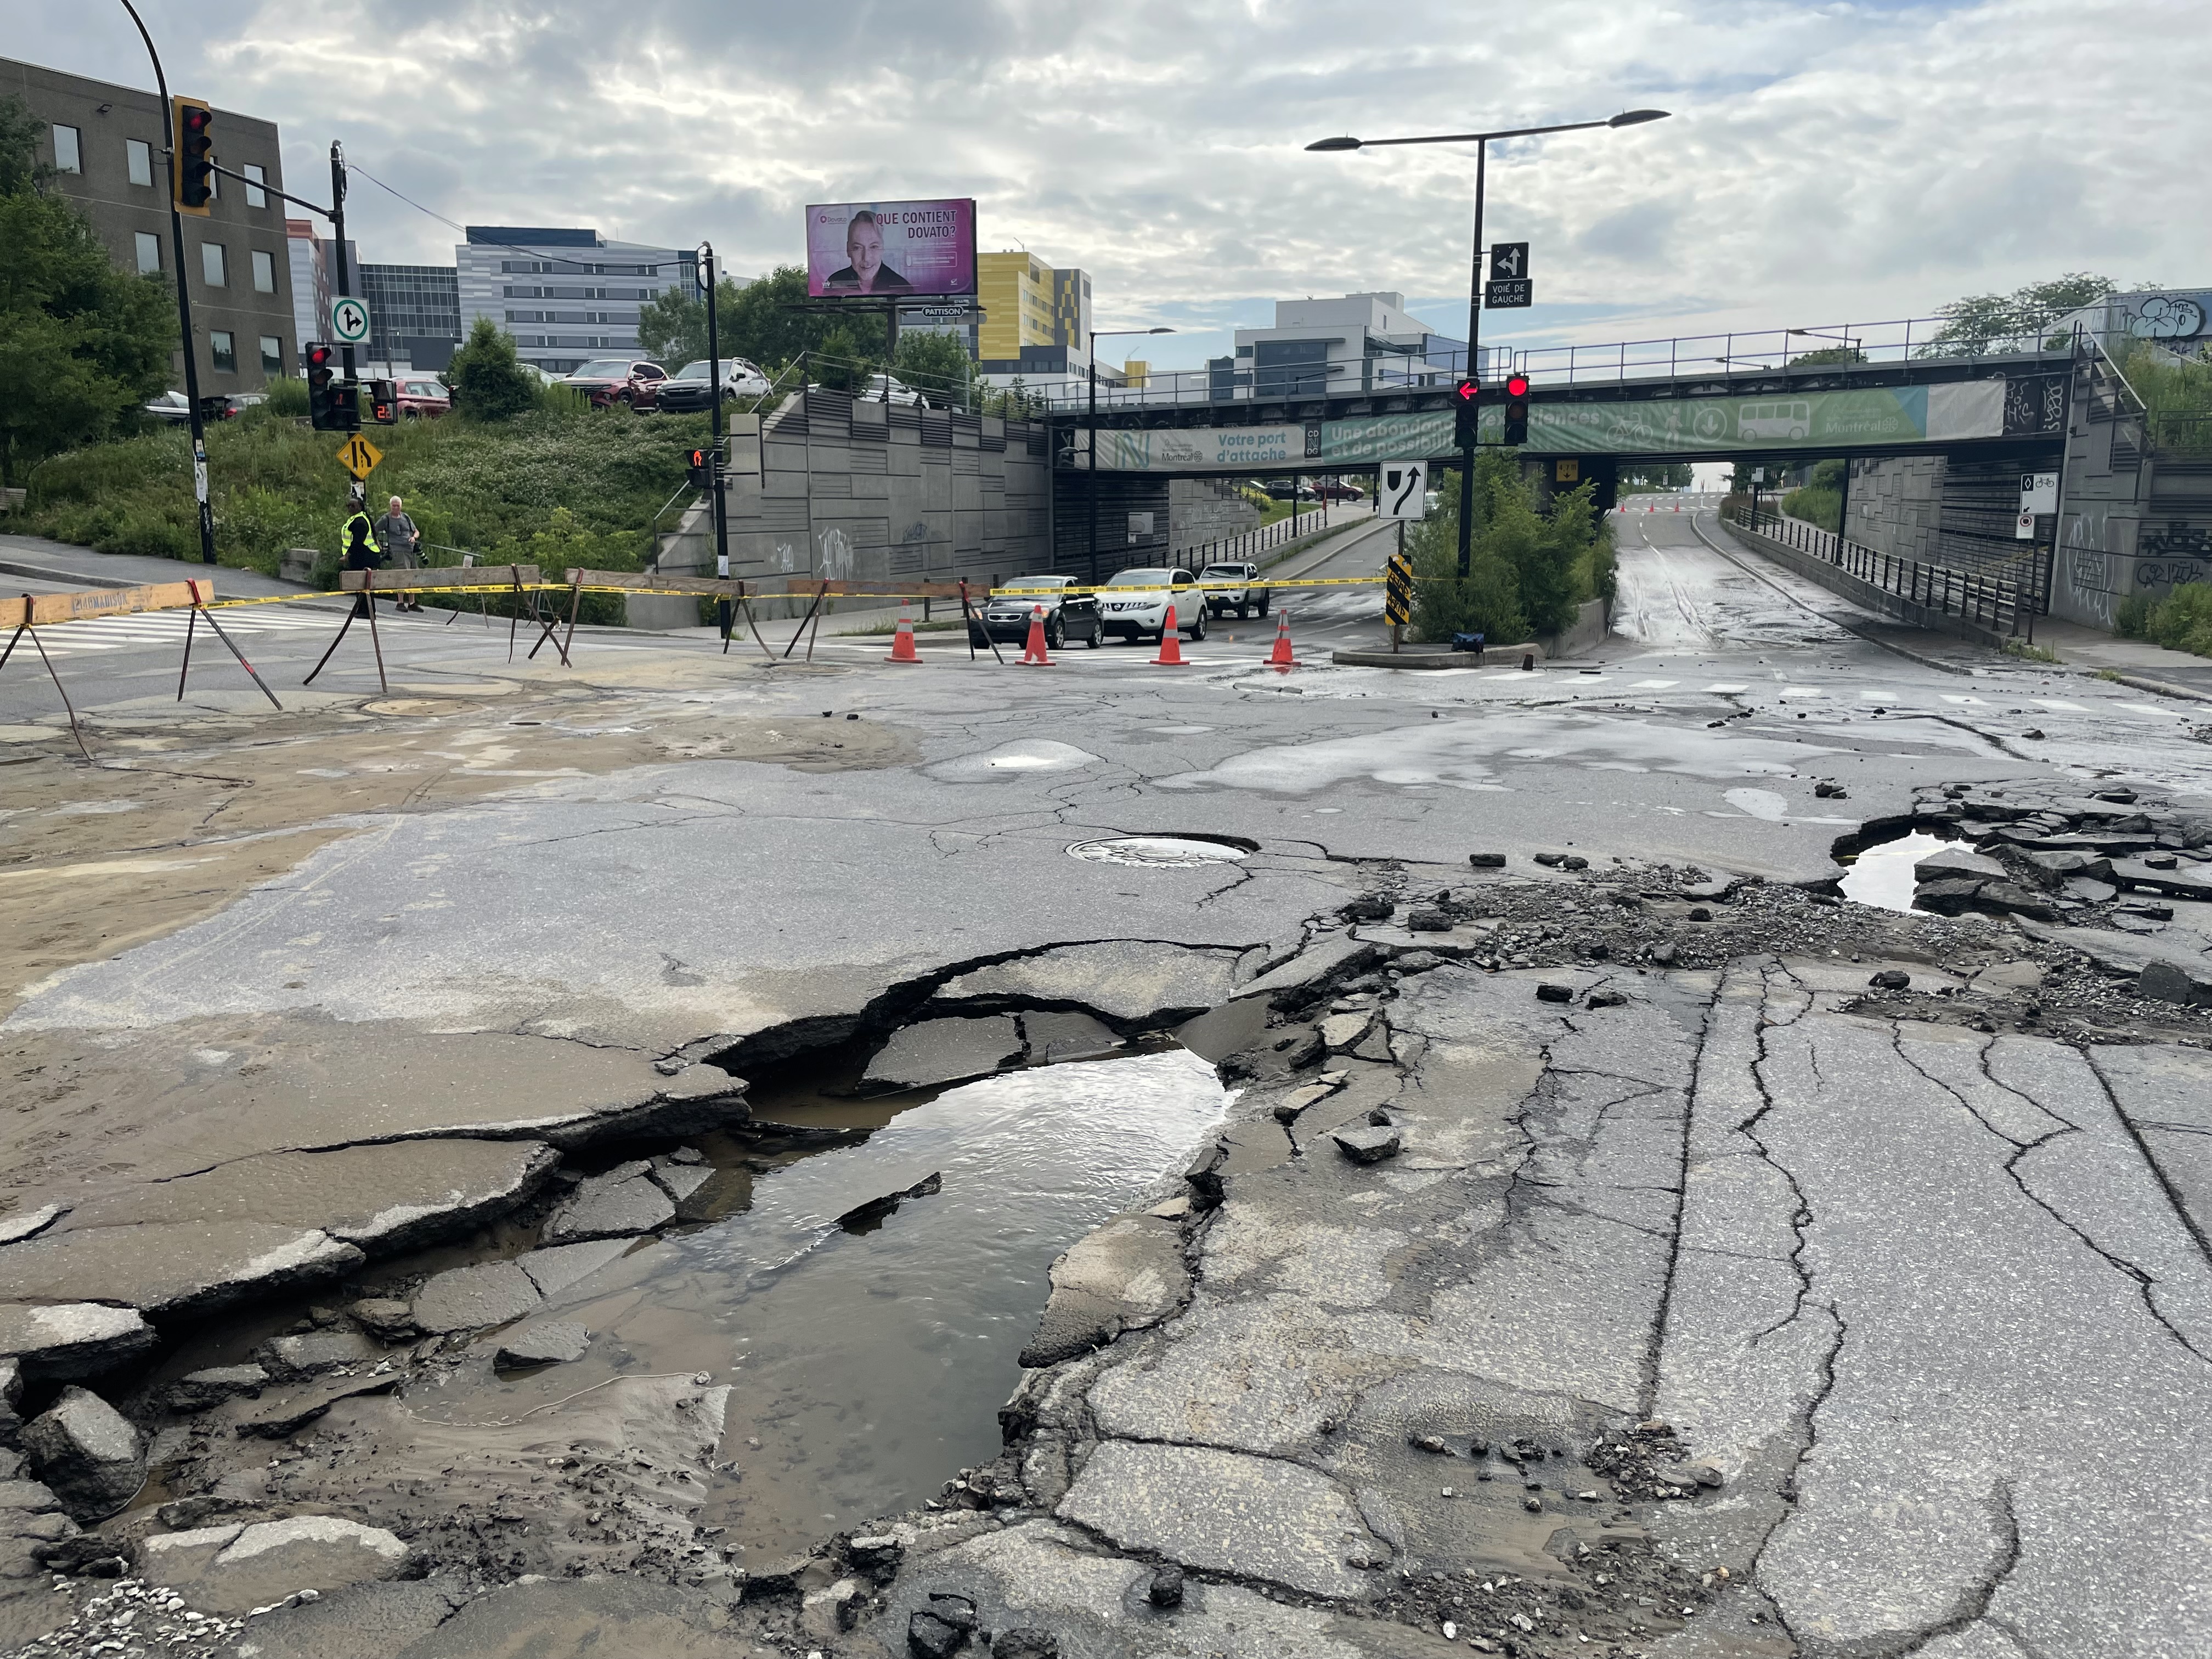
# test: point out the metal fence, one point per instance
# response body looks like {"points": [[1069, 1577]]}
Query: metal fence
{"points": [[1248, 544], [2000, 605], [1691, 356]]}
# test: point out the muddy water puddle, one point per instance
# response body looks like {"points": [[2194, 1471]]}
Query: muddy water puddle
{"points": [[865, 1361]]}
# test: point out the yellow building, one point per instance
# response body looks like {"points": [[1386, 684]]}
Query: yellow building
{"points": [[1034, 316]]}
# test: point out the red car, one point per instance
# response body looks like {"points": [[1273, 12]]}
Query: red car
{"points": [[610, 380], [1336, 490], [423, 395]]}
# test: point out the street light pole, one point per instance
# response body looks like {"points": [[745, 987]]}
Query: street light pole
{"points": [[184, 301], [1481, 142], [703, 263], [1090, 485]]}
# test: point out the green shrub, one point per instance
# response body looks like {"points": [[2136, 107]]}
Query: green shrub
{"points": [[2183, 620], [287, 400], [489, 380], [1530, 569], [2131, 616]]}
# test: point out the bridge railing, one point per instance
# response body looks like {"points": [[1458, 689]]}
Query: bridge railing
{"points": [[1999, 604], [1723, 358]]}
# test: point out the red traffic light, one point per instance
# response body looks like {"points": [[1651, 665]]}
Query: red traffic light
{"points": [[1516, 386], [1468, 392]]}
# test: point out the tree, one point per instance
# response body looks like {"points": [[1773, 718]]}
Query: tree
{"points": [[489, 380], [1653, 476], [672, 328], [82, 343], [1530, 568], [938, 366], [1984, 323], [1825, 355]]}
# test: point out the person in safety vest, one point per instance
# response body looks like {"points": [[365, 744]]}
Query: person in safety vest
{"points": [[359, 536]]}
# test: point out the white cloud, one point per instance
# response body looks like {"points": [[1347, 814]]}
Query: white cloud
{"points": [[1824, 162]]}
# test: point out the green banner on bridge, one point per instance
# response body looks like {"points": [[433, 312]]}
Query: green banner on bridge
{"points": [[1886, 417]]}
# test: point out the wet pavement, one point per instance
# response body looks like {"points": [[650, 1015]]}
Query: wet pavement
{"points": [[329, 1004]]}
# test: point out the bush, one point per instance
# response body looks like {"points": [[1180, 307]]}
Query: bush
{"points": [[1530, 569], [287, 400], [487, 379], [2131, 616], [2183, 620]]}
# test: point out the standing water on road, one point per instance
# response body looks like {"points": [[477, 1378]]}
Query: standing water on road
{"points": [[867, 1361], [1884, 875]]}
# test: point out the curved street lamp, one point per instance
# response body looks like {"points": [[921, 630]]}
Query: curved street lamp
{"points": [[1632, 117]]}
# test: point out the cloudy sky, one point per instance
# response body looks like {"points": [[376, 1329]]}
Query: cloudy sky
{"points": [[1833, 162]]}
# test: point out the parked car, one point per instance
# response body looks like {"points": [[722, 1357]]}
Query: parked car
{"points": [[610, 380], [1284, 489], [1227, 589], [686, 393], [169, 406], [1339, 490], [1143, 615], [421, 396], [884, 388], [1070, 616]]}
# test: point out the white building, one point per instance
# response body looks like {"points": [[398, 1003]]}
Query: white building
{"points": [[1361, 342], [566, 295]]}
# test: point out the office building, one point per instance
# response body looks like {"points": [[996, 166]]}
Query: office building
{"points": [[1035, 319], [566, 294], [108, 145], [414, 314], [1320, 348]]}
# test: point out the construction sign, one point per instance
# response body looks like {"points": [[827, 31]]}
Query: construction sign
{"points": [[358, 456], [1398, 590]]}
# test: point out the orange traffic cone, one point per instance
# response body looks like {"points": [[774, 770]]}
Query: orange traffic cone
{"points": [[1280, 657], [1033, 655], [902, 642], [1170, 645]]}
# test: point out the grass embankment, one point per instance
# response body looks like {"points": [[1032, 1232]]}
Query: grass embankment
{"points": [[2182, 620], [550, 487]]}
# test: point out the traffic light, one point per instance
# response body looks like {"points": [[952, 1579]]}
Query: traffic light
{"points": [[192, 172], [333, 405], [322, 371], [702, 469], [384, 402], [1466, 400], [1516, 409]]}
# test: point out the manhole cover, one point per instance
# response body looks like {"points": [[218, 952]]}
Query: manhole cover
{"points": [[1173, 852]]}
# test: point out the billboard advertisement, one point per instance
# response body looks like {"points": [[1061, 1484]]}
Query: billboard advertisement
{"points": [[858, 250]]}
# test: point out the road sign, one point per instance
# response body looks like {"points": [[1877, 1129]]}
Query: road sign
{"points": [[349, 320], [1513, 294], [358, 456], [1140, 525], [1507, 260], [1398, 590], [1566, 471], [1402, 489]]}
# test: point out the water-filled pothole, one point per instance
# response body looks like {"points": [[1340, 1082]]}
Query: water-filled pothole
{"points": [[1170, 852], [1883, 875]]}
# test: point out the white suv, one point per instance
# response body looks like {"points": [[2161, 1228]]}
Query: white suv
{"points": [[1228, 587], [1135, 604]]}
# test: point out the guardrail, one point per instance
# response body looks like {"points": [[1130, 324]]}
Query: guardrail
{"points": [[2009, 607], [1248, 544]]}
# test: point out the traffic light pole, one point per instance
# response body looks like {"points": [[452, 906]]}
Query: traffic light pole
{"points": [[1473, 373], [346, 270], [184, 302], [707, 276]]}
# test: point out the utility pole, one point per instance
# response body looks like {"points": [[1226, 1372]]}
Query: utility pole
{"points": [[184, 301], [724, 616]]}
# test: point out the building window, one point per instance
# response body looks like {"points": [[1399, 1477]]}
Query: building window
{"points": [[255, 195], [265, 272], [273, 355], [224, 349], [68, 152], [213, 271], [141, 154], [150, 253]]}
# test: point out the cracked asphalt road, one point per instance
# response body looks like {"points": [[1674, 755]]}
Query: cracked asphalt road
{"points": [[1932, 1303]]}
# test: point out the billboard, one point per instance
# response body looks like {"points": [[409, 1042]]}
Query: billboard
{"points": [[871, 249]]}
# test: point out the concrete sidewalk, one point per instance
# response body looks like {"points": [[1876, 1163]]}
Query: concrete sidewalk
{"points": [[2133, 662], [41, 560]]}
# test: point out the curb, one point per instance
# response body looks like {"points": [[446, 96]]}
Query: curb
{"points": [[2163, 688], [1434, 657]]}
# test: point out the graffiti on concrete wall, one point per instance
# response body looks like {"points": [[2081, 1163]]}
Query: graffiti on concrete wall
{"points": [[2166, 557], [2087, 567], [833, 555]]}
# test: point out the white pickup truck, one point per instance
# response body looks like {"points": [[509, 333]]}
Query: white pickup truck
{"points": [[1233, 587]]}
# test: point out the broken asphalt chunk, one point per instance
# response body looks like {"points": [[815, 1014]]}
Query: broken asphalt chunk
{"points": [[555, 1342], [72, 1339], [1367, 1143], [1551, 992]]}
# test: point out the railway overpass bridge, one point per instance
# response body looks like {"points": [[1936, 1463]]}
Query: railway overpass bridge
{"points": [[1986, 416]]}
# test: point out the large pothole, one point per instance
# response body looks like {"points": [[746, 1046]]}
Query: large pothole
{"points": [[825, 1335]]}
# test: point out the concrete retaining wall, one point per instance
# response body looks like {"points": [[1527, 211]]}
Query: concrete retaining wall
{"points": [[829, 486], [1862, 593], [1592, 622]]}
